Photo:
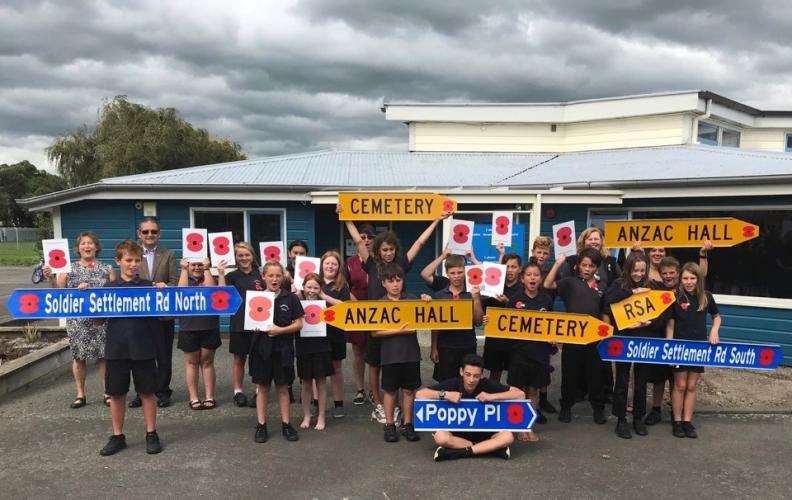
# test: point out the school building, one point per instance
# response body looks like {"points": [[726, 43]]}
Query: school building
{"points": [[688, 154]]}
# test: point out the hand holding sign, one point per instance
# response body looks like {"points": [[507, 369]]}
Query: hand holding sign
{"points": [[502, 228], [56, 255], [461, 240], [222, 248], [194, 244], [564, 239]]}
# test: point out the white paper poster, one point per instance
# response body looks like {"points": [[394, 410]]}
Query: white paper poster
{"points": [[564, 239], [313, 322], [461, 236], [259, 307], [194, 242], [56, 255], [272, 250], [221, 247], [502, 228], [303, 266]]}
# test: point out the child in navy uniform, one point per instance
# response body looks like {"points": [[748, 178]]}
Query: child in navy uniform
{"points": [[689, 322], [400, 359], [272, 353], [131, 348]]}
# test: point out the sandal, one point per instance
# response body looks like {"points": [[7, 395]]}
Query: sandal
{"points": [[107, 400], [196, 404], [78, 403], [209, 404]]}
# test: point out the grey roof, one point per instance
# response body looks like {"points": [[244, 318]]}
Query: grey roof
{"points": [[349, 170]]}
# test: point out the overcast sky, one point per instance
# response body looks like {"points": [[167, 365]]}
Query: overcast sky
{"points": [[284, 76]]}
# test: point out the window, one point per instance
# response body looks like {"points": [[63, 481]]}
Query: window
{"points": [[788, 143], [761, 267], [716, 135]]}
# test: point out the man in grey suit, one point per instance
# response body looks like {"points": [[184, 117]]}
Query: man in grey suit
{"points": [[159, 265]]}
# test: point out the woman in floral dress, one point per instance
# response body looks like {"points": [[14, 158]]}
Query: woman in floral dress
{"points": [[86, 339]]}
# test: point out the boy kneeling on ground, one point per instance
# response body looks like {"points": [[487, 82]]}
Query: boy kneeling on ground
{"points": [[471, 385]]}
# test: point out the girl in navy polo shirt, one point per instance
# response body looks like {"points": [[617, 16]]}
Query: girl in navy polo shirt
{"points": [[689, 322]]}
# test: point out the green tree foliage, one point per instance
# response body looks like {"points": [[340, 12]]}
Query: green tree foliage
{"points": [[23, 180], [130, 138]]}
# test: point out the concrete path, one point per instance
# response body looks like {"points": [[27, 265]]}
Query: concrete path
{"points": [[50, 451]]}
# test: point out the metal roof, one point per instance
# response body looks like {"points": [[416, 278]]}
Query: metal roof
{"points": [[681, 165]]}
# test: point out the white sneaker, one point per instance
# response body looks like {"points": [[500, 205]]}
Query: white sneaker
{"points": [[397, 416], [378, 414]]}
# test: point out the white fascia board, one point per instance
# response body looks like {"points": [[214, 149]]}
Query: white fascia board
{"points": [[709, 191], [600, 109]]}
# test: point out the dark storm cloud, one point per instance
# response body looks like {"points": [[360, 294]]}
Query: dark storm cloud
{"points": [[284, 77]]}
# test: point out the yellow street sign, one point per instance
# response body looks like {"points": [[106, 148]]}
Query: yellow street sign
{"points": [[369, 315], [564, 328], [641, 307], [671, 233], [393, 206]]}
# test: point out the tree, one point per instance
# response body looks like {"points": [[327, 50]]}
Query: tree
{"points": [[130, 138], [23, 180]]}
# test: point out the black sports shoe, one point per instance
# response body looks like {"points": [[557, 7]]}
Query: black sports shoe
{"points": [[504, 453], [261, 435], [690, 431], [290, 433], [654, 417], [546, 406], [600, 418], [565, 415], [153, 445], [116, 444], [408, 431], [391, 436], [135, 403], [639, 427], [623, 429], [240, 399], [677, 430]]}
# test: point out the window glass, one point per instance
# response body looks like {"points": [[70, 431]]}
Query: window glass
{"points": [[730, 138], [761, 267], [707, 133], [218, 221]]}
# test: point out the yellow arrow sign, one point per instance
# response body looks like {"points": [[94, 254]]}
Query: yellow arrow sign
{"points": [[564, 328], [641, 307], [369, 315], [393, 206], [724, 232]]}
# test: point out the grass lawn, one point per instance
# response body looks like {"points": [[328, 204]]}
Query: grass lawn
{"points": [[25, 255]]}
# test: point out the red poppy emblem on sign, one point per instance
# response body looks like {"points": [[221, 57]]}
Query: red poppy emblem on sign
{"points": [[272, 253], [502, 225], [461, 233], [220, 300], [259, 308], [29, 303], [220, 245], [474, 276], [313, 313], [194, 242], [57, 258]]}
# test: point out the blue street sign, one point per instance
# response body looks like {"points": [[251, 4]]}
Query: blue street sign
{"points": [[473, 415], [690, 353], [123, 301]]}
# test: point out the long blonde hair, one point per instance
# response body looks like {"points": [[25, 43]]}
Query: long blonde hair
{"points": [[340, 280], [701, 294], [581, 241]]}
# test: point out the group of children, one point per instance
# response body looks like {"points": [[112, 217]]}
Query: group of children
{"points": [[587, 284]]}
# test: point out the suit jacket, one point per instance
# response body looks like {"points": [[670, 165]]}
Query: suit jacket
{"points": [[165, 268]]}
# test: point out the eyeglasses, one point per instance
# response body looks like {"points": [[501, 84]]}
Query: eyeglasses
{"points": [[149, 231]]}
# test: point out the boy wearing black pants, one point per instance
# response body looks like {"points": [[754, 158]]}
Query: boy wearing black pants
{"points": [[400, 361], [131, 348], [582, 294]]}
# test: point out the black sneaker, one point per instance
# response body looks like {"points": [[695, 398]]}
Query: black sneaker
{"points": [[135, 403], [240, 399], [547, 407], [541, 419], [600, 418], [153, 445], [639, 427], [690, 431], [565, 415], [623, 429], [654, 417], [116, 444], [677, 430], [290, 433], [261, 435], [408, 431], [504, 453], [251, 402], [391, 436]]}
